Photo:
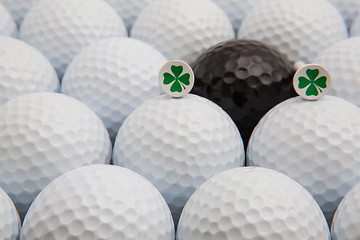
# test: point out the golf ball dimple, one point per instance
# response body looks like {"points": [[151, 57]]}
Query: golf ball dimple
{"points": [[251, 203], [23, 69], [9, 218], [43, 135], [301, 31], [244, 77], [346, 219], [7, 24], [315, 143], [62, 28], [178, 143], [113, 76], [99, 202], [182, 29], [341, 60]]}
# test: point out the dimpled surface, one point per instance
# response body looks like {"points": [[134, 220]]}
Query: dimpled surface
{"points": [[113, 77], [246, 78], [301, 31], [177, 144], [349, 9], [252, 203], [99, 202], [7, 24], [342, 60], [347, 217], [182, 29], [9, 218], [43, 135], [18, 8], [62, 28], [236, 10], [23, 69], [128, 9], [317, 143]]}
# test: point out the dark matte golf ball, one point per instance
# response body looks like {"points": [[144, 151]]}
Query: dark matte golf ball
{"points": [[246, 78]]}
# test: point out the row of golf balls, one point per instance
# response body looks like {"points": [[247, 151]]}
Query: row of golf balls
{"points": [[177, 144], [297, 36], [110, 202], [163, 24]]}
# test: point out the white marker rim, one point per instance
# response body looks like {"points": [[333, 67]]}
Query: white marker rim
{"points": [[302, 72], [167, 68]]}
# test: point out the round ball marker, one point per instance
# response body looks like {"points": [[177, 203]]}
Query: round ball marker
{"points": [[176, 78], [312, 81]]}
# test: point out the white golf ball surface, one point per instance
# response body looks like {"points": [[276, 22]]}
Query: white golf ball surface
{"points": [[178, 143], [7, 23], [251, 203], [114, 76], [43, 135], [315, 143], [23, 69], [9, 218], [342, 60], [182, 29], [62, 28], [299, 30], [346, 220], [99, 202]]}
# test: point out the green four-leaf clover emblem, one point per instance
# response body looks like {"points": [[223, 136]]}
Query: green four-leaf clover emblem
{"points": [[314, 84], [311, 81], [178, 82], [176, 78]]}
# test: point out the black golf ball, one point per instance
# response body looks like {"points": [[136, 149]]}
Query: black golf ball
{"points": [[246, 78]]}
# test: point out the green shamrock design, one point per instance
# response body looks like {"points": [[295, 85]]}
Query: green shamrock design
{"points": [[179, 83], [316, 84]]}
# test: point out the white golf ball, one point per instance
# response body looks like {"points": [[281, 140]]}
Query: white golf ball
{"points": [[349, 9], [99, 202], [128, 9], [301, 30], [178, 143], [23, 69], [114, 76], [62, 28], [182, 29], [251, 203], [342, 60], [18, 8], [236, 10], [9, 218], [7, 24], [43, 135], [347, 217], [314, 142]]}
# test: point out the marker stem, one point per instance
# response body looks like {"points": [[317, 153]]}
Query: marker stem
{"points": [[298, 65]]}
